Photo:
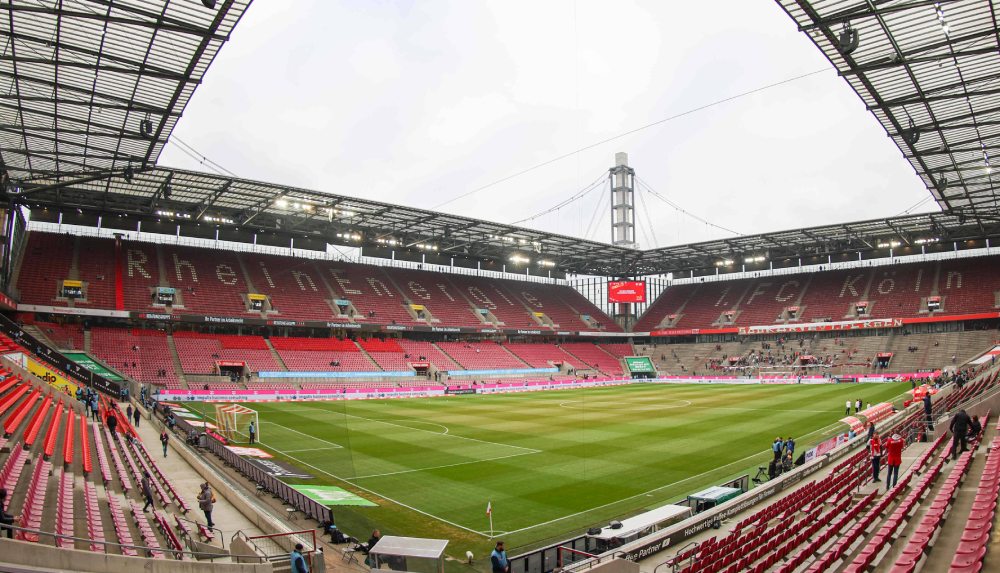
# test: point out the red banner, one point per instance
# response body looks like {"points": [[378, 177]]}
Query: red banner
{"points": [[626, 291]]}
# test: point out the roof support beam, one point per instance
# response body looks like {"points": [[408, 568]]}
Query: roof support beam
{"points": [[170, 25], [868, 11], [161, 190], [210, 200], [171, 76], [896, 63], [931, 99]]}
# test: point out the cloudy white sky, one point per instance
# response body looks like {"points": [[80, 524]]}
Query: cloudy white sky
{"points": [[421, 102]]}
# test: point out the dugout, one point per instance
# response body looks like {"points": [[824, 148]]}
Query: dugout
{"points": [[414, 554], [711, 497], [618, 533]]}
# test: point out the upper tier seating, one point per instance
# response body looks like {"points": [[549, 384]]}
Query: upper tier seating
{"points": [[215, 282], [966, 286], [197, 275]]}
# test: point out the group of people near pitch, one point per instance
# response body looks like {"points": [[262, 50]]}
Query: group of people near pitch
{"points": [[784, 456]]}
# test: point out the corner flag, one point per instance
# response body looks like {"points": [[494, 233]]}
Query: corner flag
{"points": [[489, 513]]}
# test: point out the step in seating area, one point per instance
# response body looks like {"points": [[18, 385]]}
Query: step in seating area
{"points": [[199, 352], [54, 450], [141, 354]]}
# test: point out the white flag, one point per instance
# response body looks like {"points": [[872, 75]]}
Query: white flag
{"points": [[489, 508]]}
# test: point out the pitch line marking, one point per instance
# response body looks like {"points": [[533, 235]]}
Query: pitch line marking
{"points": [[314, 449], [641, 494], [478, 441], [569, 405], [444, 466], [332, 445], [445, 428], [373, 492]]}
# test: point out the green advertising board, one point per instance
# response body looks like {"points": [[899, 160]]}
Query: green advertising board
{"points": [[329, 495], [84, 359], [640, 365]]}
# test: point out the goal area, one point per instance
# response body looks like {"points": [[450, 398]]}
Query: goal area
{"points": [[233, 421]]}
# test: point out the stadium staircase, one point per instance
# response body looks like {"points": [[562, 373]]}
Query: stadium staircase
{"points": [[176, 359], [275, 355]]}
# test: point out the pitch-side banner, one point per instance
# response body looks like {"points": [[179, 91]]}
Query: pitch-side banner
{"points": [[823, 326]]}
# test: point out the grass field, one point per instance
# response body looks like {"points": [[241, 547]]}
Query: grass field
{"points": [[552, 463]]}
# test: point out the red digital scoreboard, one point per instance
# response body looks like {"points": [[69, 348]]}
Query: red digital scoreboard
{"points": [[626, 291]]}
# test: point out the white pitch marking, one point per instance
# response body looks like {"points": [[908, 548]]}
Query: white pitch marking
{"points": [[333, 445], [569, 405], [399, 503], [445, 466], [314, 449], [478, 441]]}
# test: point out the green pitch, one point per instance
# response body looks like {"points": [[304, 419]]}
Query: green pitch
{"points": [[552, 463]]}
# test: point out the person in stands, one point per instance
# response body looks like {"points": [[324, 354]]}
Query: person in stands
{"points": [[875, 448], [147, 491], [135, 417], [164, 439], [893, 458], [112, 423], [206, 501], [5, 518], [974, 428], [960, 434]]}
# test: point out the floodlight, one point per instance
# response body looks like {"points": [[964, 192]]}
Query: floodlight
{"points": [[210, 4], [128, 173], [146, 128], [848, 39]]}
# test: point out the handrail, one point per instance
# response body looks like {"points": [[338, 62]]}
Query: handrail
{"points": [[105, 544]]}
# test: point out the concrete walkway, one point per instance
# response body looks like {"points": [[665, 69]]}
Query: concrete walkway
{"points": [[189, 467]]}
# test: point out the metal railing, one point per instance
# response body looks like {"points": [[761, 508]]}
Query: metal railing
{"points": [[309, 507], [199, 555]]}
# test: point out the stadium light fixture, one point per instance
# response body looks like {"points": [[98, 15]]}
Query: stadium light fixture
{"points": [[724, 263], [888, 244], [927, 241], [519, 259], [128, 173], [546, 264], [848, 39], [210, 4], [281, 203], [757, 259]]}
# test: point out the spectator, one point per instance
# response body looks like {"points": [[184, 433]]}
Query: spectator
{"points": [[206, 501], [375, 538], [790, 446], [147, 491], [871, 430], [857, 406], [164, 439], [974, 428], [875, 448], [776, 448], [297, 561], [847, 408], [128, 412], [960, 434], [135, 417], [788, 462], [893, 458], [112, 423], [498, 559], [5, 518]]}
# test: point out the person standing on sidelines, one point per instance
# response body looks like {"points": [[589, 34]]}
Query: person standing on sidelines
{"points": [[252, 430], [875, 448], [498, 559], [857, 406], [776, 448], [893, 458], [790, 446], [847, 408]]}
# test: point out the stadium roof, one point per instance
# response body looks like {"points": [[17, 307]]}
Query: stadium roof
{"points": [[929, 71], [80, 76], [241, 205]]}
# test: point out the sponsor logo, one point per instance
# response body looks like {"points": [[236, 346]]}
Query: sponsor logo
{"points": [[155, 316], [283, 322], [529, 331], [224, 319], [445, 329]]}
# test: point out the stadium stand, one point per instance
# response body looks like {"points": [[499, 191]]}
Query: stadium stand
{"points": [[141, 354], [595, 357], [481, 355], [965, 286], [199, 352]]}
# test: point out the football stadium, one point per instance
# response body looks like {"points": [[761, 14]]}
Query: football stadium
{"points": [[426, 323]]}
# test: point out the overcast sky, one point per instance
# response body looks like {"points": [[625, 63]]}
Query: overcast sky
{"points": [[421, 102]]}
